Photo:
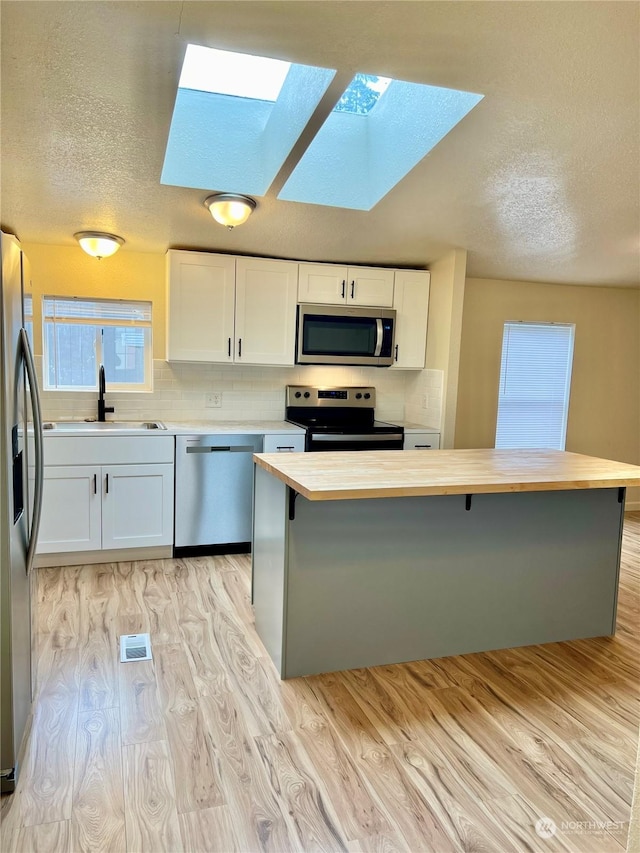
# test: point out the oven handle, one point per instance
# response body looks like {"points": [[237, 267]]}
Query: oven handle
{"points": [[392, 436], [379, 338]]}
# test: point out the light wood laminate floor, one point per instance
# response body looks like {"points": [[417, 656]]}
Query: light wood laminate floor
{"points": [[204, 749]]}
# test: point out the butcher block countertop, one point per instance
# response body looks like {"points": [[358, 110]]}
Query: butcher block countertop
{"points": [[411, 473]]}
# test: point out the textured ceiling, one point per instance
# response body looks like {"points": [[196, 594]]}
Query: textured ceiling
{"points": [[540, 182]]}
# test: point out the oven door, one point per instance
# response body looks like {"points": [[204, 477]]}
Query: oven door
{"points": [[329, 441], [332, 335]]}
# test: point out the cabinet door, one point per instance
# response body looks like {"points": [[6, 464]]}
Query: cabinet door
{"points": [[200, 306], [324, 284], [411, 301], [284, 443], [266, 293], [137, 506], [421, 441], [370, 286], [70, 510]]}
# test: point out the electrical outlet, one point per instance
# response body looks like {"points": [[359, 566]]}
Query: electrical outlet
{"points": [[214, 400]]}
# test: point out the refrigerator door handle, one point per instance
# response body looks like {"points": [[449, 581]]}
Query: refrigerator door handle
{"points": [[27, 355]]}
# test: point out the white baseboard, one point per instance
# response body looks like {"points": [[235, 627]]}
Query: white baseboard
{"points": [[118, 555]]}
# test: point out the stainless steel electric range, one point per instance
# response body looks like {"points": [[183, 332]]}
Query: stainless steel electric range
{"points": [[340, 418]]}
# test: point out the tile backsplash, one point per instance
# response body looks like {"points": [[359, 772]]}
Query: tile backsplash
{"points": [[423, 397], [249, 393]]}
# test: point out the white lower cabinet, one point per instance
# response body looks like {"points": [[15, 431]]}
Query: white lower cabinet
{"points": [[94, 507], [137, 506], [284, 443], [421, 441], [71, 513]]}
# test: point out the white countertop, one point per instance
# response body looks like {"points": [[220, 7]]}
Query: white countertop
{"points": [[409, 426], [211, 428], [180, 428]]}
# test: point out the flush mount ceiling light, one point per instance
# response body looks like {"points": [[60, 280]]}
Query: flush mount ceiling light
{"points": [[230, 209], [98, 244]]}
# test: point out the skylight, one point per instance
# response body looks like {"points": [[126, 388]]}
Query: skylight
{"points": [[362, 94], [236, 118], [357, 156], [239, 74]]}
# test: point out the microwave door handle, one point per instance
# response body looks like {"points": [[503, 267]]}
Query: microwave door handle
{"points": [[379, 338]]}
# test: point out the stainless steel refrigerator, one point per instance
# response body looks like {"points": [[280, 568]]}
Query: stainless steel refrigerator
{"points": [[19, 510]]}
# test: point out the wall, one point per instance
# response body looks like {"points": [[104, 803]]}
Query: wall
{"points": [[604, 406], [432, 394], [179, 388]]}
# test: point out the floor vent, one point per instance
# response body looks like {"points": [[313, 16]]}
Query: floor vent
{"points": [[135, 647]]}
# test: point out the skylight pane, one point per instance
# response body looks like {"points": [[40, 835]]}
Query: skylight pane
{"points": [[362, 94], [223, 72], [356, 158], [235, 122]]}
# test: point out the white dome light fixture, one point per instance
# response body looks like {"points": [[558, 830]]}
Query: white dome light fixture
{"points": [[230, 209], [98, 244]]}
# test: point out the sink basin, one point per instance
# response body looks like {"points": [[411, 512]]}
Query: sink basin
{"points": [[102, 426]]}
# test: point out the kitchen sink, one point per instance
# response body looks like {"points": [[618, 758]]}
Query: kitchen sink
{"points": [[102, 426]]}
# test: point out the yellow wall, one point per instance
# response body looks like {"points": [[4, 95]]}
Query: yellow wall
{"points": [[68, 271], [604, 407]]}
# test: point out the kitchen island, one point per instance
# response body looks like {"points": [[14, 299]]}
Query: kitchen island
{"points": [[368, 558]]}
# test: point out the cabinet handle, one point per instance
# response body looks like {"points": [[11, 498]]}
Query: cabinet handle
{"points": [[229, 348], [239, 347], [422, 447], [285, 447], [95, 484], [353, 289], [396, 356], [107, 482], [344, 287]]}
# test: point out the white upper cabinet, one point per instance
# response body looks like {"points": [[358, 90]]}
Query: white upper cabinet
{"points": [[411, 302], [226, 309], [329, 284], [370, 286], [200, 306], [265, 311], [324, 284]]}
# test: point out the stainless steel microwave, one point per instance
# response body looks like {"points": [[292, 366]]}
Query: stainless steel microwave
{"points": [[334, 334]]}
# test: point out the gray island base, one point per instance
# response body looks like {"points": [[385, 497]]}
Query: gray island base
{"points": [[341, 584]]}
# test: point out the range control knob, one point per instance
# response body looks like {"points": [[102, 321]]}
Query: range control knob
{"points": [[358, 396], [307, 395], [298, 394], [367, 396]]}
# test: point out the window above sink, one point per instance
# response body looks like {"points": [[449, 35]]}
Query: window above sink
{"points": [[79, 334]]}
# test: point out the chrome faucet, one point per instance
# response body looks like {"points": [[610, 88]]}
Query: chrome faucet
{"points": [[102, 387]]}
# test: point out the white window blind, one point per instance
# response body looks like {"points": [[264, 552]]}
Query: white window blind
{"points": [[80, 334], [535, 379]]}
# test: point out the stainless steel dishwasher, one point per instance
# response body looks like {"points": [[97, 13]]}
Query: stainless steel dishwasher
{"points": [[214, 488]]}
